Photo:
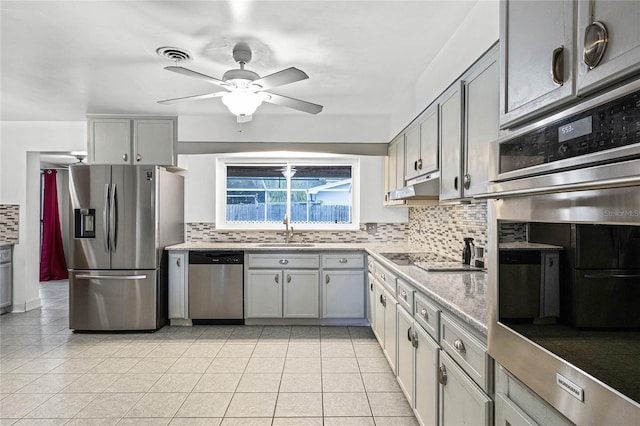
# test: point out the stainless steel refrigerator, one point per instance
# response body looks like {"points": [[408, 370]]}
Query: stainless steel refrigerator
{"points": [[121, 219]]}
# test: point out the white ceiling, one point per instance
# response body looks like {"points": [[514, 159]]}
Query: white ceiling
{"points": [[61, 60]]}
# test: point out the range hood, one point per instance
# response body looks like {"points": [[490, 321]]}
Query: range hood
{"points": [[426, 187]]}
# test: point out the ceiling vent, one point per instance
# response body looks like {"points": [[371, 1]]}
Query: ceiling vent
{"points": [[174, 53]]}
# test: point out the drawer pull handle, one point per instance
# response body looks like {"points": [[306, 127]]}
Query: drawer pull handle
{"points": [[277, 278], [414, 342], [371, 286], [288, 278], [409, 335], [404, 294], [327, 279], [283, 261], [459, 346], [442, 375], [383, 300], [383, 277], [178, 262], [138, 157], [343, 260]]}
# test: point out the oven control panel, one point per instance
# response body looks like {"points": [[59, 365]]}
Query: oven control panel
{"points": [[610, 125]]}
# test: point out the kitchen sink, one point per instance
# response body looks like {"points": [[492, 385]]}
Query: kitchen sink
{"points": [[284, 245]]}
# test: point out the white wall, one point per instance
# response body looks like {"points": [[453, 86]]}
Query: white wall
{"points": [[20, 144], [478, 31], [200, 180]]}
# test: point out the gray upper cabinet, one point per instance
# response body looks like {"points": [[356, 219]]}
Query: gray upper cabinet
{"points": [[537, 53], [394, 170], [481, 98], [132, 140], [450, 107], [421, 145], [622, 52]]}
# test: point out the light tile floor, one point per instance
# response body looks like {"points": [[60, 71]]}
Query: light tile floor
{"points": [[200, 375]]}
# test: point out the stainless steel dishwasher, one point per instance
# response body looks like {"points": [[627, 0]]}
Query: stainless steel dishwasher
{"points": [[216, 287]]}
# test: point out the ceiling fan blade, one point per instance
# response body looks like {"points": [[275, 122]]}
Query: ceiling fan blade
{"points": [[303, 106], [280, 78], [193, 98], [195, 74]]}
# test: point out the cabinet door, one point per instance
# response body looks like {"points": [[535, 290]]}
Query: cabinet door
{"points": [[426, 377], [405, 365], [411, 152], [622, 54], [343, 294], [462, 402], [300, 294], [109, 141], [393, 165], [378, 316], [428, 161], [390, 330], [178, 280], [264, 294], [451, 143], [481, 94], [154, 142], [530, 33], [508, 413], [371, 299]]}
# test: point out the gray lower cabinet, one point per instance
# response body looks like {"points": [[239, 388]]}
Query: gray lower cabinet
{"points": [[178, 285], [406, 354], [343, 294], [371, 299], [425, 397], [462, 402], [508, 413], [285, 293], [385, 323], [6, 279]]}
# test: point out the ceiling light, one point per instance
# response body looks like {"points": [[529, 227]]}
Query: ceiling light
{"points": [[242, 102]]}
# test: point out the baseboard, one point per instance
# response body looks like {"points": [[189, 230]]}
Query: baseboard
{"points": [[33, 304], [180, 322], [308, 321]]}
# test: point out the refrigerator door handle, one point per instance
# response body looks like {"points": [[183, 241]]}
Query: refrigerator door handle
{"points": [[105, 216], [113, 218], [112, 277]]}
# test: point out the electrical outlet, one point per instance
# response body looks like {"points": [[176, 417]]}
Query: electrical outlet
{"points": [[372, 228]]}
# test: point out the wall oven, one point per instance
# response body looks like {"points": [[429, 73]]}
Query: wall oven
{"points": [[573, 181]]}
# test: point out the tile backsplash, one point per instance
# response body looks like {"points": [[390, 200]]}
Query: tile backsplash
{"points": [[385, 232], [9, 221], [441, 229]]}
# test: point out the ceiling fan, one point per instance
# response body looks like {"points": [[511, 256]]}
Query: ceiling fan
{"points": [[245, 90]]}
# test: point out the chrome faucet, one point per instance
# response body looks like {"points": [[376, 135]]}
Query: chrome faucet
{"points": [[288, 235]]}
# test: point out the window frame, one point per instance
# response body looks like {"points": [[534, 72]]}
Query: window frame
{"points": [[308, 160]]}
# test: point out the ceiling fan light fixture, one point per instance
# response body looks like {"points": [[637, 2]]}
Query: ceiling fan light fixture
{"points": [[242, 102]]}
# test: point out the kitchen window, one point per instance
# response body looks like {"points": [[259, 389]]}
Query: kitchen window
{"points": [[315, 195]]}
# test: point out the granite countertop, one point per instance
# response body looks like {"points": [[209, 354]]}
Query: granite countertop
{"points": [[525, 245], [464, 294]]}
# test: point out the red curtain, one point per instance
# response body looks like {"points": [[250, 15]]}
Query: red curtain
{"points": [[52, 262]]}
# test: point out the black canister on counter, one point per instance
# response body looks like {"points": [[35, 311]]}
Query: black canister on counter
{"points": [[466, 252]]}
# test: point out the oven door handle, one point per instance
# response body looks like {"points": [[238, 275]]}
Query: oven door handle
{"points": [[554, 189], [605, 275]]}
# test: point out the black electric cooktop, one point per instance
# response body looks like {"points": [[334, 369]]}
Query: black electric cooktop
{"points": [[429, 261]]}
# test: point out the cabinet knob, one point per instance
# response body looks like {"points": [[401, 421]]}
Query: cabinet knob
{"points": [[327, 279], [442, 374], [288, 278], [125, 157], [383, 277], [414, 342], [467, 181], [425, 314], [283, 261], [178, 262], [371, 286], [459, 346], [343, 260], [138, 157], [404, 294], [383, 300], [277, 278]]}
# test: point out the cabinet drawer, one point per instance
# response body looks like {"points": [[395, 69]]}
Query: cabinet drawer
{"points": [[466, 350], [428, 316], [343, 261], [386, 278], [404, 294], [284, 260]]}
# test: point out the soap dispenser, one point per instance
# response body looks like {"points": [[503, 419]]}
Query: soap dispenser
{"points": [[466, 252]]}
